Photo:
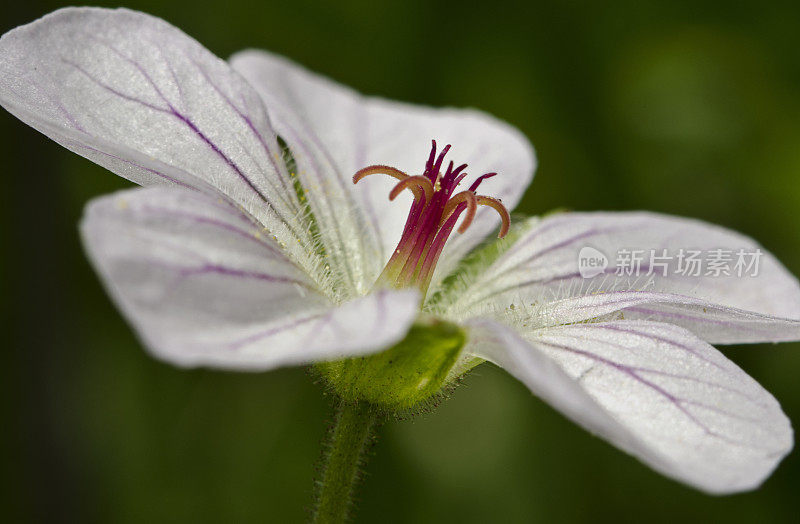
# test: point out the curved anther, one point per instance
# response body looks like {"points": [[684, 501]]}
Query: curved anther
{"points": [[418, 185], [501, 210], [465, 197], [379, 170]]}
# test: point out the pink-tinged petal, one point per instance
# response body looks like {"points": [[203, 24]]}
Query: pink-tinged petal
{"points": [[203, 285], [141, 98], [334, 131], [655, 391], [538, 277]]}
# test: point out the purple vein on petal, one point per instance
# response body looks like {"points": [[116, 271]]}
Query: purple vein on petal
{"points": [[677, 402], [545, 250], [185, 272], [722, 387], [181, 95], [322, 322], [732, 324], [536, 234], [113, 90], [665, 340], [222, 203], [640, 369], [247, 120], [558, 245], [134, 164], [630, 297], [188, 122], [542, 282], [132, 62], [238, 344], [616, 301], [177, 114], [200, 219], [237, 170], [69, 116], [236, 273]]}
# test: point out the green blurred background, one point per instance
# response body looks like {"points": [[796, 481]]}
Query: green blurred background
{"points": [[684, 107]]}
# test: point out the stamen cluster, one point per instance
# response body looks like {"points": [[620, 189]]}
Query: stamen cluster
{"points": [[433, 215]]}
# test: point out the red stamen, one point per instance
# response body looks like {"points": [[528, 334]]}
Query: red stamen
{"points": [[417, 184], [465, 197], [433, 215], [438, 165], [429, 163], [379, 170], [501, 210], [480, 179]]}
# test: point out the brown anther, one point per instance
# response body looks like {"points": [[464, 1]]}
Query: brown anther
{"points": [[418, 184], [379, 170], [465, 197], [501, 210]]}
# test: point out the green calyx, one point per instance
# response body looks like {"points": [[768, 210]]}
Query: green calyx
{"points": [[403, 377]]}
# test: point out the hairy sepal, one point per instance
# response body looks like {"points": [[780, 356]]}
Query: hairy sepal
{"points": [[404, 377]]}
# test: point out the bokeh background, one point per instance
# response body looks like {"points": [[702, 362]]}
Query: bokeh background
{"points": [[685, 107]]}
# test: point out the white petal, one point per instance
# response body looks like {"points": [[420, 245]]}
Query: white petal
{"points": [[539, 275], [202, 285], [653, 390], [138, 96], [713, 323], [334, 131]]}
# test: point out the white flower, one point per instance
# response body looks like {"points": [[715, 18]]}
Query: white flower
{"points": [[229, 258]]}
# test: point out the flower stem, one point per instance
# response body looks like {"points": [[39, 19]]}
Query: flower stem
{"points": [[345, 450]]}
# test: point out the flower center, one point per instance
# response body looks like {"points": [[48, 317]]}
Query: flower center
{"points": [[433, 215]]}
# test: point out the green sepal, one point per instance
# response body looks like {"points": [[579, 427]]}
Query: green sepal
{"points": [[404, 376]]}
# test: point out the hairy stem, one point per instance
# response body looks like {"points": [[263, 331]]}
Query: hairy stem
{"points": [[345, 450]]}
